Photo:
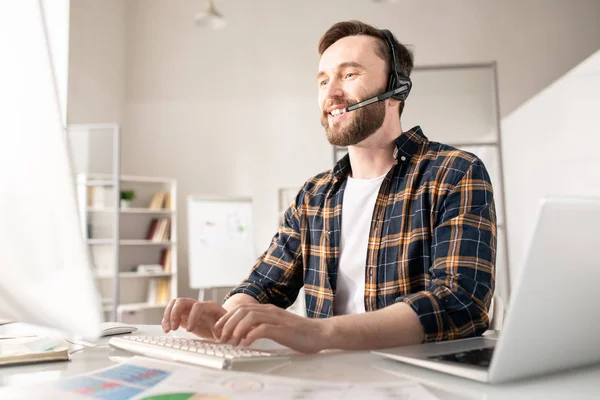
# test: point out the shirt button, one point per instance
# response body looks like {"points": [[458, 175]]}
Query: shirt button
{"points": [[403, 158]]}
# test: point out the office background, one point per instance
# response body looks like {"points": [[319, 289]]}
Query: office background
{"points": [[233, 112]]}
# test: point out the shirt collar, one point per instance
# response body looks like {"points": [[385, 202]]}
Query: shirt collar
{"points": [[407, 144]]}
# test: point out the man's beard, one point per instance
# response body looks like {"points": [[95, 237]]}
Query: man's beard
{"points": [[362, 124]]}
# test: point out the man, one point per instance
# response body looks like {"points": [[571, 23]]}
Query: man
{"points": [[395, 245]]}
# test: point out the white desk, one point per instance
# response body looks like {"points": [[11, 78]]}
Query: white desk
{"points": [[335, 366]]}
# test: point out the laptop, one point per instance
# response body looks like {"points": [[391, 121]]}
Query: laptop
{"points": [[553, 321]]}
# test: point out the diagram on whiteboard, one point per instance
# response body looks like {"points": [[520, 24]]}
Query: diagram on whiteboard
{"points": [[209, 235], [237, 227]]}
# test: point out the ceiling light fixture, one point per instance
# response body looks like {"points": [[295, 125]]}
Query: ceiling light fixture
{"points": [[210, 17]]}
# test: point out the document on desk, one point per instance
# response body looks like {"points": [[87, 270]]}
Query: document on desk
{"points": [[32, 349], [142, 378]]}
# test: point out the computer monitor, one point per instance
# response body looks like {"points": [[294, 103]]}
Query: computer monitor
{"points": [[45, 272]]}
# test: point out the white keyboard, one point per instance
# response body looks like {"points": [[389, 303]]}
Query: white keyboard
{"points": [[195, 351]]}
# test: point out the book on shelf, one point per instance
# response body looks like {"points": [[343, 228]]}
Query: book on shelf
{"points": [[167, 202], [163, 291], [165, 259], [152, 229], [90, 196], [157, 201], [159, 230], [163, 232], [161, 201], [152, 291], [32, 349], [149, 269], [99, 197], [158, 291]]}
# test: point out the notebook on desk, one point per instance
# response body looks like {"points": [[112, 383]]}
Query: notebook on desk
{"points": [[32, 349]]}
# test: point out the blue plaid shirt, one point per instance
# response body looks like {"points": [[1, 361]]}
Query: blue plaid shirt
{"points": [[432, 241]]}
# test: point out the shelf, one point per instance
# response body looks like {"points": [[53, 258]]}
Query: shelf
{"points": [[100, 242], [107, 275], [106, 180], [145, 243], [104, 242], [82, 178], [98, 183], [138, 306], [132, 211]]}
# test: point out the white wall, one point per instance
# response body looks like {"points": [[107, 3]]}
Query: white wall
{"points": [[96, 87], [234, 112], [56, 13], [551, 148]]}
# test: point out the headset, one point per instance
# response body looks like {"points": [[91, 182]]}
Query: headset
{"points": [[398, 86]]}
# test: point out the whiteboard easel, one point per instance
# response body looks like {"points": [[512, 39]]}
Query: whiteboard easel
{"points": [[221, 243]]}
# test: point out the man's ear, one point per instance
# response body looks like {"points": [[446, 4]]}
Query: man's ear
{"points": [[393, 102]]}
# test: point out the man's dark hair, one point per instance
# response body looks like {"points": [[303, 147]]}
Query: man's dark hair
{"points": [[340, 30]]}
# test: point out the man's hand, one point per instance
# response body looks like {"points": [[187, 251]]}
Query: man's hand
{"points": [[198, 317], [247, 322]]}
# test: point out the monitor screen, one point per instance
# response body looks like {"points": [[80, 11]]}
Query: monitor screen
{"points": [[45, 273]]}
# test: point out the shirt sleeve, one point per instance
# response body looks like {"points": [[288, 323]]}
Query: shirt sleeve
{"points": [[277, 276], [463, 254]]}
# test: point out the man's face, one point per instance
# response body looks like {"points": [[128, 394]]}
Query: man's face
{"points": [[350, 71]]}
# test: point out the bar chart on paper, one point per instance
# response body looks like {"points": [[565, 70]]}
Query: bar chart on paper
{"points": [[118, 383], [99, 389], [136, 375]]}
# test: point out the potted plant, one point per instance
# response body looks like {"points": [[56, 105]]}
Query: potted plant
{"points": [[126, 197]]}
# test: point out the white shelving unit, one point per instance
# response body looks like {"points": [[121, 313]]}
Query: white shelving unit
{"points": [[129, 295]]}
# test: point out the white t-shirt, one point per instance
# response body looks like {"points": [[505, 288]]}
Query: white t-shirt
{"points": [[357, 211]]}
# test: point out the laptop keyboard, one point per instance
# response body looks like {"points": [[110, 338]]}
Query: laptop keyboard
{"points": [[479, 357]]}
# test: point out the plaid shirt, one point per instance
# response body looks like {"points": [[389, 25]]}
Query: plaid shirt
{"points": [[432, 242]]}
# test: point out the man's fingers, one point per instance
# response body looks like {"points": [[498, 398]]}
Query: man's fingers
{"points": [[253, 318], [225, 318], [197, 316], [224, 330], [181, 306], [267, 331], [165, 323], [227, 323], [229, 314]]}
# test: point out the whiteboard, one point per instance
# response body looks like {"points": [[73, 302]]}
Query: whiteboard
{"points": [[221, 245]]}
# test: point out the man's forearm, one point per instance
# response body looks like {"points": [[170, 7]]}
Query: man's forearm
{"points": [[396, 325], [237, 299]]}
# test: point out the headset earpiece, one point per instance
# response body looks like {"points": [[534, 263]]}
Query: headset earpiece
{"points": [[395, 79]]}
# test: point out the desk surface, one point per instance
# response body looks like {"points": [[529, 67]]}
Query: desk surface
{"points": [[357, 366]]}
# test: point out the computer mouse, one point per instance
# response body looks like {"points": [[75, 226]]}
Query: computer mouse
{"points": [[115, 328]]}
